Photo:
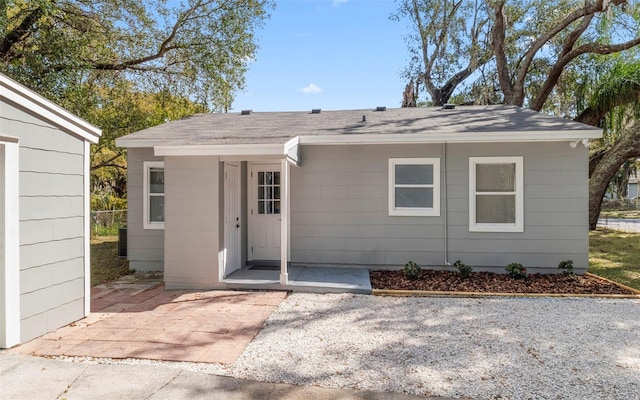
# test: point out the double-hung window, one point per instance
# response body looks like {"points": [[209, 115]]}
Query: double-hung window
{"points": [[153, 203], [496, 194], [414, 186]]}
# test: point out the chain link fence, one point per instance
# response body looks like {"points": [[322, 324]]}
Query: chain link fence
{"points": [[108, 222], [621, 204]]}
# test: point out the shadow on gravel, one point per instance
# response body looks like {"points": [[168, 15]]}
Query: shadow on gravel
{"points": [[481, 348]]}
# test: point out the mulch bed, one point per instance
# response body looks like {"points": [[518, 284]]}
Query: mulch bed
{"points": [[489, 282]]}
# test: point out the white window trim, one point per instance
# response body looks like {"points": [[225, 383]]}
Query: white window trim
{"points": [[518, 226], [148, 224], [415, 211]]}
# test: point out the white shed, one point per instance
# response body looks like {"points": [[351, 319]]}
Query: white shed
{"points": [[44, 214]]}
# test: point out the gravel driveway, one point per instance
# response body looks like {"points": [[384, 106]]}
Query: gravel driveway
{"points": [[512, 348], [492, 348]]}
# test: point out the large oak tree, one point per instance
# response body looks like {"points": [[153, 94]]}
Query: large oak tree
{"points": [[448, 43], [125, 65], [199, 49]]}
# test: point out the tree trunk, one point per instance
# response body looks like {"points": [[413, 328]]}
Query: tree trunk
{"points": [[594, 160], [627, 147]]}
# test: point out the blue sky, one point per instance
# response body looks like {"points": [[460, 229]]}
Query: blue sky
{"points": [[342, 54]]}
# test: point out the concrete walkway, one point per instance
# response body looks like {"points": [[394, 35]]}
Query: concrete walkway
{"points": [[143, 320], [34, 378], [620, 224]]}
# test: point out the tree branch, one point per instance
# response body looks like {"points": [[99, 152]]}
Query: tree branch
{"points": [[558, 68], [497, 38], [572, 37], [164, 47], [108, 163], [20, 32]]}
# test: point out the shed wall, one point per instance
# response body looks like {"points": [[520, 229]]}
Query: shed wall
{"points": [[51, 222], [145, 247], [339, 208]]}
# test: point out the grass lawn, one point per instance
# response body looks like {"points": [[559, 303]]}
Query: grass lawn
{"points": [[616, 256], [105, 264]]}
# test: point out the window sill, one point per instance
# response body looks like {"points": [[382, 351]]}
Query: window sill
{"points": [[154, 226], [414, 213], [497, 228]]}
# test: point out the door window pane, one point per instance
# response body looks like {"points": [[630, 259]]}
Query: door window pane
{"points": [[268, 192]]}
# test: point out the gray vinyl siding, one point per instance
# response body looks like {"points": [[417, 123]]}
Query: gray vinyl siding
{"points": [[192, 222], [339, 209], [340, 215], [145, 247], [555, 208], [52, 223]]}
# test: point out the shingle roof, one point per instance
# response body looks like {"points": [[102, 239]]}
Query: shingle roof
{"points": [[279, 127]]}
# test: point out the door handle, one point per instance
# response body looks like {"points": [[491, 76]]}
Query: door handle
{"points": [[237, 225]]}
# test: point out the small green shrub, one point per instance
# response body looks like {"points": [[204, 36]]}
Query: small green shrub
{"points": [[567, 267], [412, 270], [517, 271], [463, 269]]}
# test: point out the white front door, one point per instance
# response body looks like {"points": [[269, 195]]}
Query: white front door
{"points": [[232, 223], [264, 212]]}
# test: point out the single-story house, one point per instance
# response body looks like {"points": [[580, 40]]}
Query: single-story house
{"points": [[212, 194], [44, 214]]}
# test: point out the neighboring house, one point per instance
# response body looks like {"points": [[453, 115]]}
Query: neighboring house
{"points": [[488, 185], [633, 188], [44, 215]]}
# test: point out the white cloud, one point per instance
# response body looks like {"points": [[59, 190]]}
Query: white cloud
{"points": [[311, 88], [336, 3]]}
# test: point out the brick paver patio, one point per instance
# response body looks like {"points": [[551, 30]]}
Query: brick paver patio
{"points": [[154, 323]]}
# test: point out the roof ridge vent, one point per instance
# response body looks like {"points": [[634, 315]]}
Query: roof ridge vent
{"points": [[246, 112], [381, 108], [448, 106], [316, 110]]}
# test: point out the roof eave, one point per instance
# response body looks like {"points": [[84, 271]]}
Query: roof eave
{"points": [[220, 150], [454, 137], [368, 138], [51, 112]]}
